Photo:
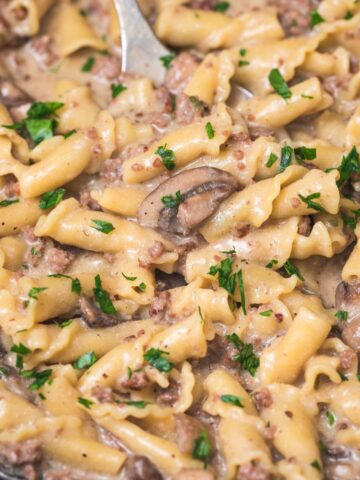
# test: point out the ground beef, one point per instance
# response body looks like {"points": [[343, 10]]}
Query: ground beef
{"points": [[168, 396], [137, 381], [252, 471], [58, 259], [102, 394], [153, 253], [347, 358], [111, 171], [140, 468], [334, 83], [295, 14], [107, 66], [88, 202], [12, 189], [262, 398], [43, 50], [21, 453], [189, 109], [159, 306], [257, 132], [180, 72], [164, 100], [187, 430], [203, 4], [28, 233], [10, 95], [304, 227]]}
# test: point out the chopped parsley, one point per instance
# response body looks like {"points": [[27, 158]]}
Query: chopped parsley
{"points": [[266, 313], [4, 372], [85, 361], [304, 153], [131, 279], [330, 418], [351, 222], [85, 402], [309, 201], [271, 160], [246, 356], [202, 448], [172, 202], [103, 227], [222, 7], [8, 201], [243, 63], [278, 83], [210, 130], [290, 269], [40, 378], [315, 464], [343, 377], [233, 400], [102, 298], [309, 97], [75, 282], [348, 15], [88, 65], [315, 18], [286, 156], [242, 290], [116, 89], [33, 292], [39, 123], [166, 60], [155, 358], [142, 287], [65, 323], [138, 404], [20, 349], [68, 134], [342, 315], [243, 52], [272, 263], [167, 156], [350, 164], [226, 278], [51, 199]]}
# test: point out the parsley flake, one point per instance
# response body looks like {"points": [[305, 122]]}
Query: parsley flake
{"points": [[290, 269], [85, 402], [8, 201], [103, 227], [68, 134], [233, 400], [155, 359], [166, 60], [305, 153], [286, 157], [131, 279], [202, 448], [210, 130], [242, 290], [279, 85], [138, 404], [222, 7], [116, 89], [75, 282], [243, 63], [65, 323], [33, 292], [309, 201], [348, 15], [51, 199], [102, 298], [88, 65], [173, 202], [272, 263], [342, 315], [330, 418], [350, 164], [266, 313], [85, 361], [246, 356], [315, 464], [315, 18], [271, 160], [40, 378], [167, 156]]}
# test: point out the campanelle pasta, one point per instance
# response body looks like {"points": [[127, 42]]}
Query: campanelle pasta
{"points": [[180, 263]]}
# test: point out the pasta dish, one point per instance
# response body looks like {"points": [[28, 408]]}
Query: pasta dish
{"points": [[180, 263]]}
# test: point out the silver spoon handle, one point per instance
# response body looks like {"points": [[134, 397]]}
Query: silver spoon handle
{"points": [[141, 50]]}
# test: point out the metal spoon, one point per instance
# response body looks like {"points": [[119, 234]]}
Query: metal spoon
{"points": [[141, 50]]}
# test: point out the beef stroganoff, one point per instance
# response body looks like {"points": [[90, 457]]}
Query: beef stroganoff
{"points": [[180, 263]]}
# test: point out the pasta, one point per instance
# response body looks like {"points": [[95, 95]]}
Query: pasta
{"points": [[180, 261]]}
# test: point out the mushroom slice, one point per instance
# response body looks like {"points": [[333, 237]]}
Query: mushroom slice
{"points": [[94, 317], [202, 190], [347, 298], [10, 94]]}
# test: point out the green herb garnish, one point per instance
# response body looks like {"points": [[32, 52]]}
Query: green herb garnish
{"points": [[342, 315], [166, 60], [309, 201], [330, 418], [222, 7], [210, 130], [173, 202], [88, 65], [103, 227], [116, 89], [8, 201], [278, 83], [202, 448], [271, 160], [33, 292], [315, 18], [85, 361], [51, 199], [155, 358], [286, 156], [85, 402], [233, 400], [246, 356], [102, 298], [167, 156], [290, 269]]}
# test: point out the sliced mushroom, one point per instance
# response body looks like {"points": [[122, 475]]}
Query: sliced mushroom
{"points": [[10, 94], [139, 467], [202, 190], [94, 317]]}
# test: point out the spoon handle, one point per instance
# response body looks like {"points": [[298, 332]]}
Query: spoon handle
{"points": [[141, 50]]}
